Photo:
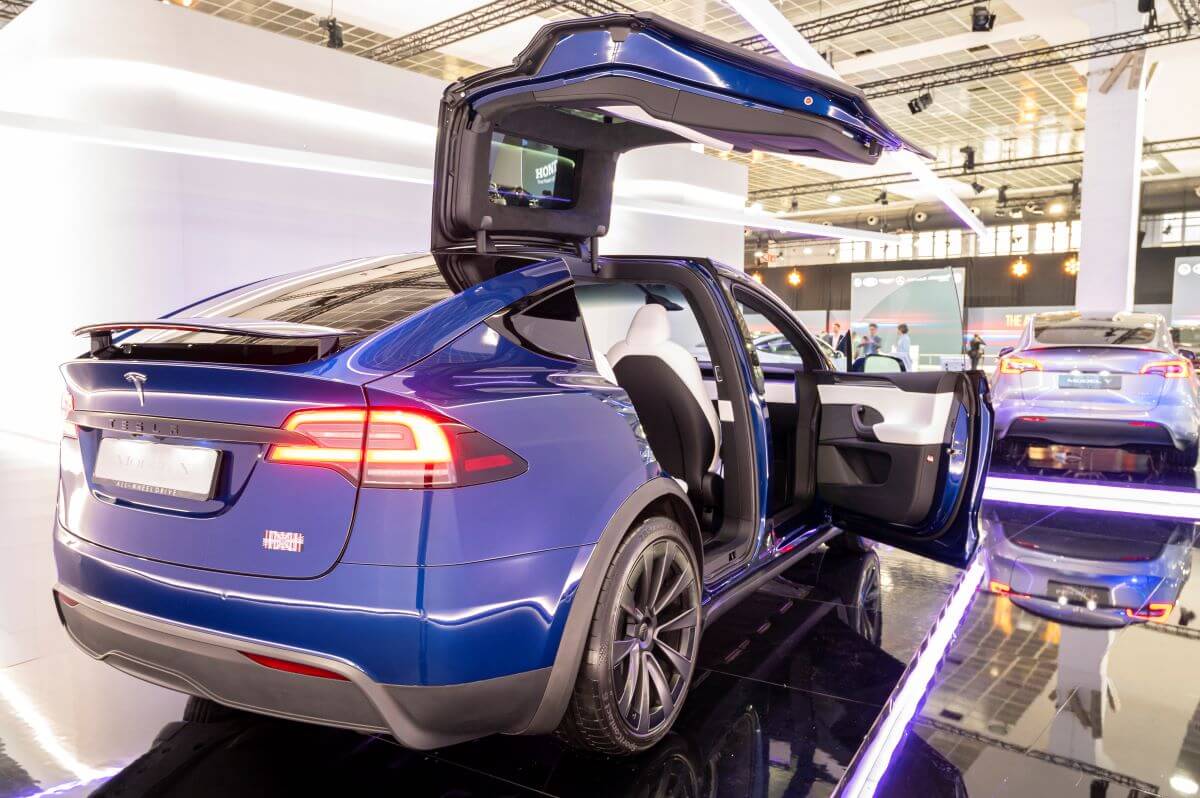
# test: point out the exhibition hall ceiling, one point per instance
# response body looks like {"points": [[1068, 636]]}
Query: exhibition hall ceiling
{"points": [[1040, 112]]}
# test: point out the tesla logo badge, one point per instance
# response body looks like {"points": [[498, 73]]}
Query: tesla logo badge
{"points": [[274, 540], [139, 380]]}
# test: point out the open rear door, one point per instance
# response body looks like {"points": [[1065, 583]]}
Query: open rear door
{"points": [[527, 153], [901, 458]]}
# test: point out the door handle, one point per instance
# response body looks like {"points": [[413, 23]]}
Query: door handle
{"points": [[862, 430]]}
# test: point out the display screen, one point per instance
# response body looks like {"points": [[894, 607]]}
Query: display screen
{"points": [[530, 174]]}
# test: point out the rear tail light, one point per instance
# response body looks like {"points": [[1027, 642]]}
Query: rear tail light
{"points": [[1154, 611], [1015, 364], [67, 404], [1174, 369], [288, 666], [396, 448]]}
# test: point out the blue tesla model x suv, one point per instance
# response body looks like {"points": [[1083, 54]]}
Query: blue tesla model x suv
{"points": [[490, 489]]}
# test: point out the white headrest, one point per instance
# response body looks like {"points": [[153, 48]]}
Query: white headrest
{"points": [[649, 326]]}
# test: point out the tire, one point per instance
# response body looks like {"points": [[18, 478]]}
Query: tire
{"points": [[204, 710], [641, 648], [1185, 460], [850, 542]]}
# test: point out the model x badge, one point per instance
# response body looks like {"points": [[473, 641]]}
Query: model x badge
{"points": [[139, 380]]}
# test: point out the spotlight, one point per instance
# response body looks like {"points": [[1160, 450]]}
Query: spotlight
{"points": [[977, 187], [919, 103], [920, 216], [968, 154], [807, 250], [1057, 208], [334, 31], [1075, 189], [833, 199], [794, 279], [1019, 268], [872, 221], [1002, 195], [882, 199], [1016, 213], [1071, 265], [795, 204], [982, 19], [756, 277], [975, 209], [1033, 208]]}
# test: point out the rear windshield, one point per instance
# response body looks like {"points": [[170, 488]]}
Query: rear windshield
{"points": [[1092, 333], [362, 298]]}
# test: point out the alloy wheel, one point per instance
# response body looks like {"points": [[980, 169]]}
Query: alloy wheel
{"points": [[655, 637]]}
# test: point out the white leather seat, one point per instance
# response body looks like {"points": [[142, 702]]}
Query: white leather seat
{"points": [[664, 383]]}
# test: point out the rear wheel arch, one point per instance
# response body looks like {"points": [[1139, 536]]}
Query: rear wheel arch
{"points": [[660, 496]]}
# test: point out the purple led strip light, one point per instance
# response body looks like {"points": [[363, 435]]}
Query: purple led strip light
{"points": [[871, 763]]}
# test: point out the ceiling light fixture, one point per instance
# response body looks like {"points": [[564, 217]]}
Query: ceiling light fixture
{"points": [[334, 32], [833, 199], [919, 103], [794, 279], [1019, 268], [1149, 162], [756, 277], [977, 187], [1057, 208], [982, 19], [808, 250], [968, 153], [1071, 265]]}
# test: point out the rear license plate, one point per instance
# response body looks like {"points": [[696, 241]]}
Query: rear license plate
{"points": [[1078, 594], [188, 472], [1105, 382]]}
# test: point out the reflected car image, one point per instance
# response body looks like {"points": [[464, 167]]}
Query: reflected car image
{"points": [[775, 348], [1071, 569], [489, 489], [1115, 381]]}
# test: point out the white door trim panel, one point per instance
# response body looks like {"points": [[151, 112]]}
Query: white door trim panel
{"points": [[912, 419]]}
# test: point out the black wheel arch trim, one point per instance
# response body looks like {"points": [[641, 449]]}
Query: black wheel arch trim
{"points": [[579, 618]]}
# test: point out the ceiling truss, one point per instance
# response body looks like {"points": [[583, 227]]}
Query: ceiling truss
{"points": [[479, 20], [10, 8], [1029, 60], [859, 20], [992, 167]]}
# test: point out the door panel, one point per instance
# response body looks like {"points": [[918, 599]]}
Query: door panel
{"points": [[901, 457]]}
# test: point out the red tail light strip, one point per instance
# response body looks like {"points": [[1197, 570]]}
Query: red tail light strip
{"points": [[292, 667], [1174, 369]]}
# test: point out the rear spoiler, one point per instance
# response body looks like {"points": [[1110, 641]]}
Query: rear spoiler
{"points": [[326, 337]]}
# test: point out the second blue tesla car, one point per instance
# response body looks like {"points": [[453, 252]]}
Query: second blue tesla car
{"points": [[489, 489]]}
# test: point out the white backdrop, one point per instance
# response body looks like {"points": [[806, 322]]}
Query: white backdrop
{"points": [[154, 155]]}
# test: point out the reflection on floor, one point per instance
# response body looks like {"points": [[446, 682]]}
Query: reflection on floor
{"points": [[1059, 683]]}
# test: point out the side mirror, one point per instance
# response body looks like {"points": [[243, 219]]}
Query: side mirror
{"points": [[882, 364], [1004, 350], [1189, 354]]}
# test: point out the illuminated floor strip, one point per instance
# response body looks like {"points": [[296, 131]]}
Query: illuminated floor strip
{"points": [[871, 765], [1168, 502]]}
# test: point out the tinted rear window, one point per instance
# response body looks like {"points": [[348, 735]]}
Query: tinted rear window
{"points": [[361, 299], [1094, 334]]}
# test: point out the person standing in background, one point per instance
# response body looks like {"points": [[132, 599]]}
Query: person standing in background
{"points": [[830, 336], [975, 351], [872, 343], [843, 342], [903, 346]]}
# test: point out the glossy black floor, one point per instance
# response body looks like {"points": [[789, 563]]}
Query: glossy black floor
{"points": [[791, 683]]}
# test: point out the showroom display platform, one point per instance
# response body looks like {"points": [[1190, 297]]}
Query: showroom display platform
{"points": [[792, 682]]}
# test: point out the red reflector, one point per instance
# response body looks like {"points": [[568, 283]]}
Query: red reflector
{"points": [[1035, 419], [292, 667], [486, 462], [70, 602], [1154, 611], [1142, 424]]}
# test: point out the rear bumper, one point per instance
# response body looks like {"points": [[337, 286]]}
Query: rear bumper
{"points": [[1164, 426], [210, 665]]}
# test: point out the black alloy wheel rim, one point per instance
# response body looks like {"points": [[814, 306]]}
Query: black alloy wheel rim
{"points": [[655, 637]]}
